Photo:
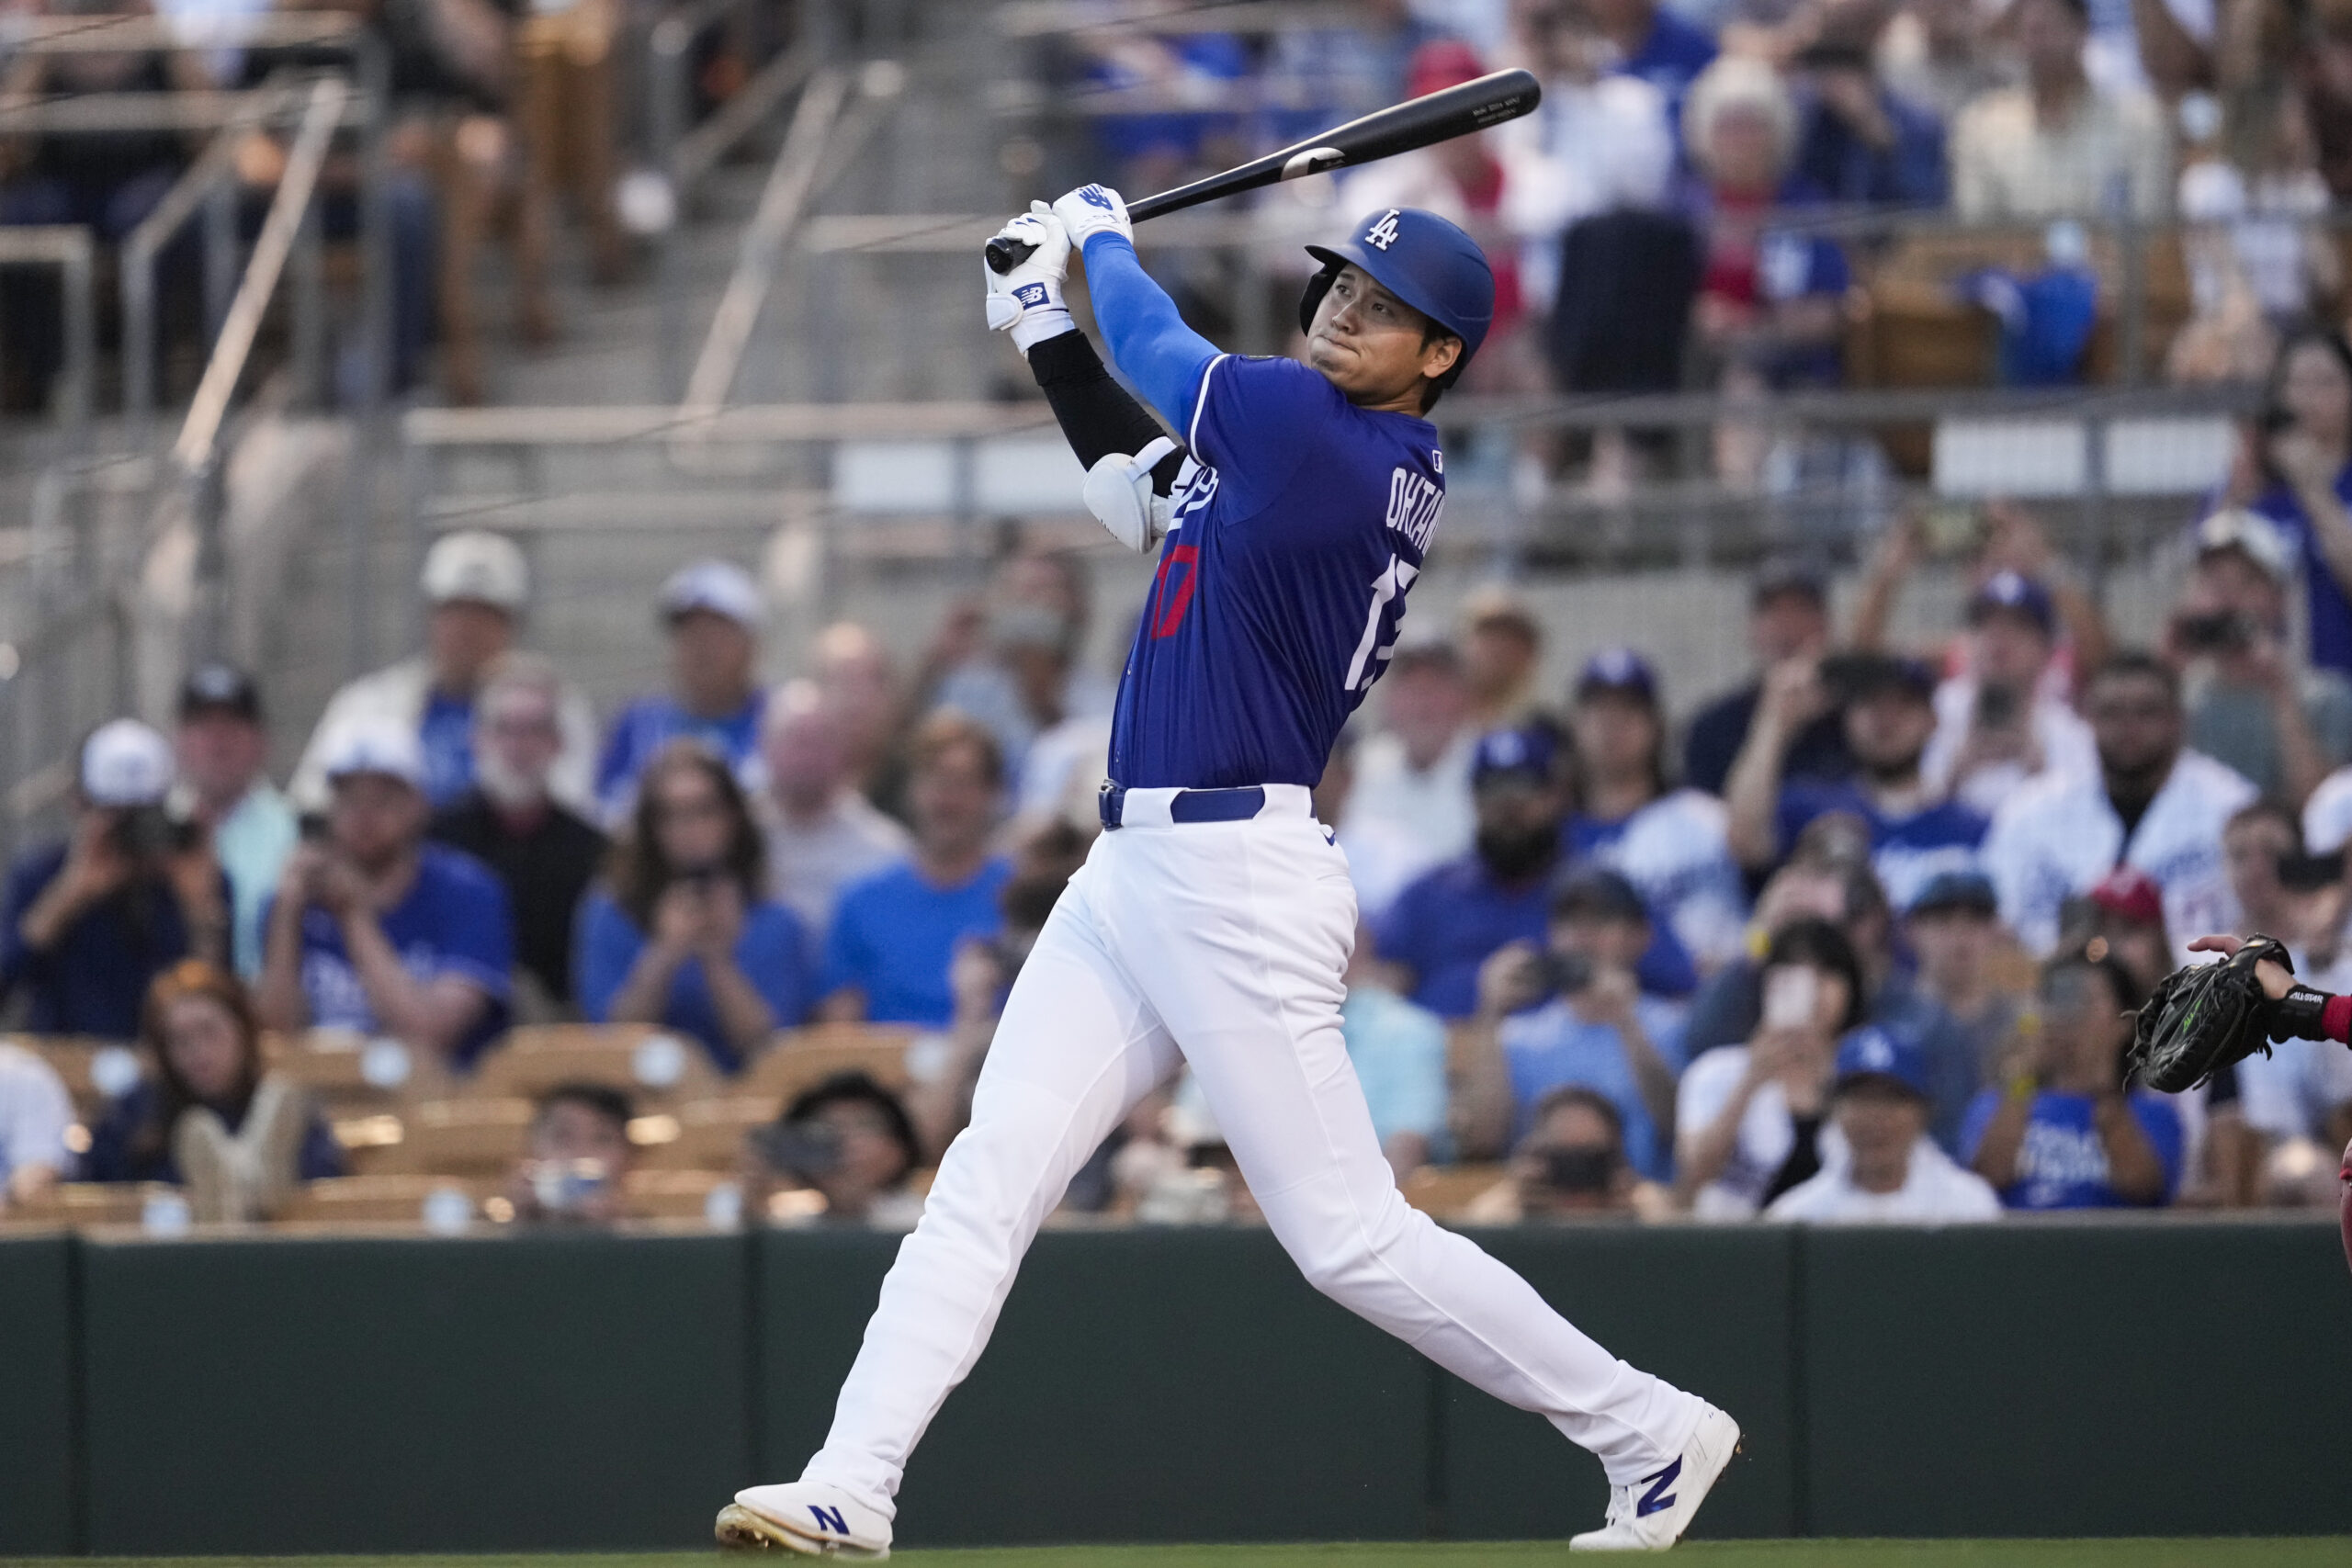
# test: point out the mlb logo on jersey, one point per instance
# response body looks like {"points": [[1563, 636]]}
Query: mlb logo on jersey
{"points": [[1383, 232]]}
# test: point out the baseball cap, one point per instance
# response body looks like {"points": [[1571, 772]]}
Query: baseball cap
{"points": [[376, 746], [2253, 536], [1969, 890], [1870, 1052], [1787, 574], [126, 763], [1865, 675], [479, 568], [2015, 593], [220, 688], [1598, 892], [1528, 752], [718, 586], [1618, 669], [2130, 894]]}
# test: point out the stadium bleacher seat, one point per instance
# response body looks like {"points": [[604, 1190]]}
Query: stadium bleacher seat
{"points": [[1442, 1192], [484, 1135], [682, 1195], [649, 1063], [703, 1135], [800, 1058], [93, 1071], [345, 1071], [79, 1203], [386, 1199]]}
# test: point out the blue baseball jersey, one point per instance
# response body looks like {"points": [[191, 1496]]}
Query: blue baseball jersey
{"points": [[1297, 530]]}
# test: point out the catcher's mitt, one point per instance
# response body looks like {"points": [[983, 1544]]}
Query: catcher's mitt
{"points": [[2200, 1019]]}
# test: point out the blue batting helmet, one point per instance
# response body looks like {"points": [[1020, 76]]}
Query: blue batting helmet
{"points": [[1423, 260]]}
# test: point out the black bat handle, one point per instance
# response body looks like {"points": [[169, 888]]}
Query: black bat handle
{"points": [[1005, 254]]}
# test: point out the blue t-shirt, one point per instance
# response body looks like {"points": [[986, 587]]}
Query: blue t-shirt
{"points": [[453, 921], [2060, 1164], [773, 952], [1296, 531], [895, 934], [2330, 611], [1551, 1046], [1674, 53], [447, 733], [642, 728], [93, 981], [1905, 852]]}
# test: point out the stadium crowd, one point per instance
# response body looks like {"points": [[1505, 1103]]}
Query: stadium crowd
{"points": [[1858, 940]]}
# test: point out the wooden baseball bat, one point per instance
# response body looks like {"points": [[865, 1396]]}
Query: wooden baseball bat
{"points": [[1417, 122]]}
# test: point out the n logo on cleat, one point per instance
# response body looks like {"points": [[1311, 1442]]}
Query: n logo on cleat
{"points": [[833, 1519], [1657, 1496]]}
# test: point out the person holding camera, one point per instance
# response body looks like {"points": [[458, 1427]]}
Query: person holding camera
{"points": [[91, 921], [2062, 1130], [1571, 1011], [376, 930], [1571, 1166], [681, 932], [841, 1152], [2250, 705]]}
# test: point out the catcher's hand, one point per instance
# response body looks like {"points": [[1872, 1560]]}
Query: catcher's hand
{"points": [[2200, 1019]]}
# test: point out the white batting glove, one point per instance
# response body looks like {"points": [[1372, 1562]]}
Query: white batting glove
{"points": [[1027, 301], [1118, 492], [1094, 210]]}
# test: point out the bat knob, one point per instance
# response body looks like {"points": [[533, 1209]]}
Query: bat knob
{"points": [[1005, 254]]}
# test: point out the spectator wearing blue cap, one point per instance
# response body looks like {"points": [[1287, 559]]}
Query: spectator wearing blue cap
{"points": [[1448, 921], [1954, 931], [2252, 704], [1572, 1011], [1889, 710], [1890, 1170], [1998, 724], [1669, 842], [1788, 618], [712, 611], [2062, 1130]]}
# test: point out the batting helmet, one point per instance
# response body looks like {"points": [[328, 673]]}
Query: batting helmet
{"points": [[1423, 260]]}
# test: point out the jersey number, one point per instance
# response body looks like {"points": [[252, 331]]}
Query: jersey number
{"points": [[1379, 640], [1173, 589]]}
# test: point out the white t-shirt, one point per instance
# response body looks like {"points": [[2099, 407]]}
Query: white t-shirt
{"points": [[35, 1111], [1767, 1133], [1401, 820], [1934, 1190], [2067, 749], [1675, 851], [2057, 837], [2328, 816]]}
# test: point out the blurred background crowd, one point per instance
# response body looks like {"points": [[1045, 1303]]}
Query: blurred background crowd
{"points": [[1841, 920]]}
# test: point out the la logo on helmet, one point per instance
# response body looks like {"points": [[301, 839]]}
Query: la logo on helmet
{"points": [[1382, 233]]}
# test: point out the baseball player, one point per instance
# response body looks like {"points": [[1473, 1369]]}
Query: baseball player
{"points": [[1214, 918]]}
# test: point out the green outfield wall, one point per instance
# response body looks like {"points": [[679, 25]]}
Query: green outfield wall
{"points": [[283, 1395]]}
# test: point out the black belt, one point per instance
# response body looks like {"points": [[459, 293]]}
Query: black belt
{"points": [[1190, 804]]}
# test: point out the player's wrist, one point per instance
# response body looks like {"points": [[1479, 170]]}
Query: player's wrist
{"points": [[1038, 323]]}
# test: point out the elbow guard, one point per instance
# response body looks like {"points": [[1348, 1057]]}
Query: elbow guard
{"points": [[1129, 496]]}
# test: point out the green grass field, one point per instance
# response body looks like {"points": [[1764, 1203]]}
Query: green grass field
{"points": [[2299, 1552]]}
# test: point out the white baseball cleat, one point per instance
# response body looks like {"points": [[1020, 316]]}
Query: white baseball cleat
{"points": [[806, 1517], [1651, 1514]]}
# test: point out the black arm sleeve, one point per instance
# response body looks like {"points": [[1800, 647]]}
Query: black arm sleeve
{"points": [[1803, 1164], [1097, 414]]}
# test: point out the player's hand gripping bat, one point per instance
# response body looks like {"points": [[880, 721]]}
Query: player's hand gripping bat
{"points": [[1418, 122]]}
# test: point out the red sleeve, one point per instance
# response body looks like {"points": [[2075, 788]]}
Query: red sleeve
{"points": [[2335, 1018]]}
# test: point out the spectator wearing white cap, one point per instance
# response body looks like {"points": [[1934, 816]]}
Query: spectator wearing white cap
{"points": [[373, 929], [1997, 723], [476, 586], [2252, 704], [1886, 1169], [712, 610], [222, 749], [822, 835], [92, 919]]}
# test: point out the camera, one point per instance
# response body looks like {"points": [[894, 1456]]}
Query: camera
{"points": [[1580, 1171], [1563, 974], [148, 833], [2223, 631], [798, 1149]]}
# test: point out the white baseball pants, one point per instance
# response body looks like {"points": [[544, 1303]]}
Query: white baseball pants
{"points": [[1224, 942]]}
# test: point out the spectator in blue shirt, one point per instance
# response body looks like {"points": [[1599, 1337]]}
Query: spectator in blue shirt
{"points": [[92, 919], [1572, 1012], [2064, 1130], [713, 611], [374, 930], [895, 934], [680, 931], [1858, 142], [213, 1118], [1655, 45], [1399, 1052], [1890, 715]]}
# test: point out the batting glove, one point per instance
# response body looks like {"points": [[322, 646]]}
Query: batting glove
{"points": [[1094, 210], [1118, 490], [1027, 300]]}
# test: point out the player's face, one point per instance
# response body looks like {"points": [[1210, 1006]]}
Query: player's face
{"points": [[1371, 345]]}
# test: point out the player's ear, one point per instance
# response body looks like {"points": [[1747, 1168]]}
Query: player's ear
{"points": [[1441, 356]]}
